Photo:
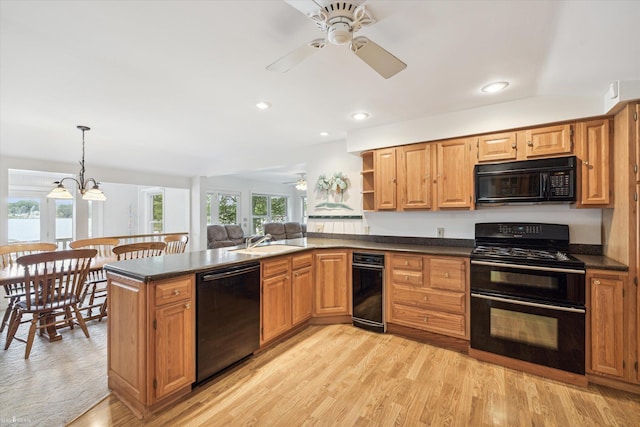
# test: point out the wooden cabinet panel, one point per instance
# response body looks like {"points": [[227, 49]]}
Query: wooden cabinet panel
{"points": [[447, 273], [430, 320], [409, 277], [453, 302], [549, 140], [332, 284], [385, 179], [454, 174], [593, 151], [407, 262], [174, 348], [414, 176], [606, 321], [497, 147], [173, 291], [301, 260], [302, 295], [275, 297]]}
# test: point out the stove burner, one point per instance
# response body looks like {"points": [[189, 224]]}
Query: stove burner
{"points": [[499, 251]]}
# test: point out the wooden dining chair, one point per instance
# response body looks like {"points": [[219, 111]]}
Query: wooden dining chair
{"points": [[8, 256], [139, 250], [53, 281], [95, 287], [176, 243]]}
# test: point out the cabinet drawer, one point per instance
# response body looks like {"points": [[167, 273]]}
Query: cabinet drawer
{"points": [[274, 267], [302, 260], [407, 262], [448, 274], [443, 323], [453, 302], [175, 290], [407, 277]]}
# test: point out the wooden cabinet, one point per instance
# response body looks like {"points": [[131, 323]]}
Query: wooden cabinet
{"points": [[275, 298], [429, 293], [368, 183], [455, 174], [332, 283], [606, 323], [151, 351], [301, 287], [594, 172], [415, 166], [548, 141], [385, 177], [497, 147]]}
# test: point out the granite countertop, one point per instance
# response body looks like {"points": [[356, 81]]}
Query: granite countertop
{"points": [[162, 267], [157, 268]]}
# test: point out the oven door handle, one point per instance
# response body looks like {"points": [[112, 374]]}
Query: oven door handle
{"points": [[528, 304], [527, 267]]}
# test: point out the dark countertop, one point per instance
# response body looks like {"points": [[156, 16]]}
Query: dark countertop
{"points": [[601, 262], [163, 267]]}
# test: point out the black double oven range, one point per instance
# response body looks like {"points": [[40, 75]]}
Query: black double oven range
{"points": [[528, 295]]}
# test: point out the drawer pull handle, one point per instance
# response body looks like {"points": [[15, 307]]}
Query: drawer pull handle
{"points": [[530, 144], [187, 306], [406, 262], [426, 319], [426, 298], [596, 282], [176, 292], [446, 275]]}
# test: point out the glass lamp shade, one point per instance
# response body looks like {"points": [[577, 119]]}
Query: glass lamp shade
{"points": [[60, 192], [94, 194], [302, 186]]}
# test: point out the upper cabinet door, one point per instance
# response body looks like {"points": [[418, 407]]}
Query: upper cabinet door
{"points": [[550, 140], [385, 179], [454, 174], [414, 176], [499, 146], [592, 149]]}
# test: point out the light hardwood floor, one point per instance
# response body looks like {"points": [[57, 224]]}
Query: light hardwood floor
{"points": [[339, 375]]}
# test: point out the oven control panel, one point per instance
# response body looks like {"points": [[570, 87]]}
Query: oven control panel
{"points": [[519, 229], [505, 232]]}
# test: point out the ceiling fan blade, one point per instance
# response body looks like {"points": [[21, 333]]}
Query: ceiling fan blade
{"points": [[381, 60], [306, 7], [291, 59]]}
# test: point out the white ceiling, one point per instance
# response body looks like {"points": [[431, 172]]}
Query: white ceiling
{"points": [[170, 86]]}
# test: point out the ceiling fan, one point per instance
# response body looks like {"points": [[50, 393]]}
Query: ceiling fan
{"points": [[340, 20], [301, 183]]}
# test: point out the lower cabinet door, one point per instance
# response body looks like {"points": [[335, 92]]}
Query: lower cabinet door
{"points": [[174, 341], [276, 306], [302, 295]]}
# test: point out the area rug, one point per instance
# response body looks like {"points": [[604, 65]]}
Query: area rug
{"points": [[60, 380]]}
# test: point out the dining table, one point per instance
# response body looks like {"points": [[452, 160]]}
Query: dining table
{"points": [[15, 275]]}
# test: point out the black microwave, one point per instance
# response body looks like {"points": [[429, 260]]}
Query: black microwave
{"points": [[526, 181]]}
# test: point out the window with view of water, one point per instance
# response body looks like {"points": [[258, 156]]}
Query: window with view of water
{"points": [[24, 219], [267, 208]]}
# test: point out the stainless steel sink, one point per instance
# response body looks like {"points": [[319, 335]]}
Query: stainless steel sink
{"points": [[267, 249]]}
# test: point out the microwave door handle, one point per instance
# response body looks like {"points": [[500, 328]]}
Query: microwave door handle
{"points": [[545, 186]]}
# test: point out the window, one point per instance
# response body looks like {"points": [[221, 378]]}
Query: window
{"points": [[267, 208], [222, 208], [304, 209], [155, 212], [24, 219]]}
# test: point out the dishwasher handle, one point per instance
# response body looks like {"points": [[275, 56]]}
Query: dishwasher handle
{"points": [[208, 277]]}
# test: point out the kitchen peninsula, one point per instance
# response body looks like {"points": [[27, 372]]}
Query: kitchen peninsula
{"points": [[152, 336]]}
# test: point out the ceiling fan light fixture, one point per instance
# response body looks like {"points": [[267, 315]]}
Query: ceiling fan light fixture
{"points": [[360, 116], [339, 33], [494, 87]]}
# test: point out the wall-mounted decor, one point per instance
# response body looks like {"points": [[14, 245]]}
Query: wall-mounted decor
{"points": [[332, 192]]}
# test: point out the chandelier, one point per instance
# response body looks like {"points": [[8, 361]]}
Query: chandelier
{"points": [[88, 193]]}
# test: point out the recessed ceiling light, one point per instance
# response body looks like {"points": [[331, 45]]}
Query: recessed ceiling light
{"points": [[494, 87], [324, 133], [263, 105], [360, 116]]}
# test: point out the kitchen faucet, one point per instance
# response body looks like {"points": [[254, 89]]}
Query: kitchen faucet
{"points": [[257, 242]]}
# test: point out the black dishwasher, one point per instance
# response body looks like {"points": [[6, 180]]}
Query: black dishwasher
{"points": [[368, 291], [227, 317]]}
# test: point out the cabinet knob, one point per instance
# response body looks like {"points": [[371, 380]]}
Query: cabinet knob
{"points": [[426, 319], [446, 275], [296, 274], [596, 282], [585, 162], [406, 262], [187, 306], [406, 277], [513, 145], [530, 144], [426, 298], [176, 292]]}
